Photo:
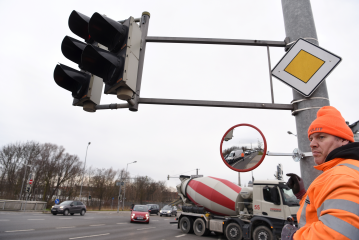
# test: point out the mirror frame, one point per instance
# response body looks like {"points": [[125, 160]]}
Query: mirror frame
{"points": [[264, 150]]}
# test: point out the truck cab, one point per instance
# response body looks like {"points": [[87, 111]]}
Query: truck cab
{"points": [[273, 200]]}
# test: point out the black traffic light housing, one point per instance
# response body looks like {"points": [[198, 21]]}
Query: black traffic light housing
{"points": [[118, 66], [85, 87]]}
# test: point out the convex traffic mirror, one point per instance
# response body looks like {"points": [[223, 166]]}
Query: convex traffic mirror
{"points": [[243, 147]]}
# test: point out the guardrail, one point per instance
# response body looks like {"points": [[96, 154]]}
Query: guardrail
{"points": [[21, 205]]}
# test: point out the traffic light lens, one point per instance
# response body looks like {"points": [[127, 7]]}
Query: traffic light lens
{"points": [[72, 49], [108, 32], [104, 64], [78, 24], [72, 80]]}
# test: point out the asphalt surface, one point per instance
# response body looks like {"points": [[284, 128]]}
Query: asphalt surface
{"points": [[243, 164], [94, 225]]}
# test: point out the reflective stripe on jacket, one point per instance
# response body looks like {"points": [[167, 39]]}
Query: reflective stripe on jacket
{"points": [[330, 208]]}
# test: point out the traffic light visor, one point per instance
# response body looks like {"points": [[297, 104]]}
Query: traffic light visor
{"points": [[102, 63], [72, 80], [108, 32], [72, 49], [78, 24]]}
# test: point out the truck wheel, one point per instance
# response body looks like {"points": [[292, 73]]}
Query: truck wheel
{"points": [[186, 225], [234, 232], [262, 232], [199, 227]]}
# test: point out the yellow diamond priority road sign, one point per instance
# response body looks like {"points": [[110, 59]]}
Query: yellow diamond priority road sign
{"points": [[305, 66]]}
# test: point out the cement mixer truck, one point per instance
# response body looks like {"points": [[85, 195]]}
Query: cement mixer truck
{"points": [[217, 205]]}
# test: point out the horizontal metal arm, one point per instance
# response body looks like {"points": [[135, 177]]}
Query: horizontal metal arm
{"points": [[204, 103], [216, 41], [279, 154], [112, 106], [199, 103], [302, 154]]}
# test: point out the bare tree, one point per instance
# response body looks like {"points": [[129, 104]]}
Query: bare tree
{"points": [[102, 181]]}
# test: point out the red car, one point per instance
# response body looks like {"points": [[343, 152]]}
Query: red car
{"points": [[140, 213]]}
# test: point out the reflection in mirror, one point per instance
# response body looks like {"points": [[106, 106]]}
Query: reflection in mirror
{"points": [[243, 148]]}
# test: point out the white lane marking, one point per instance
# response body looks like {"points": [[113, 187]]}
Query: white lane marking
{"points": [[181, 235], [35, 219], [91, 236], [21, 230], [64, 227], [144, 228], [97, 225], [121, 223], [3, 220]]}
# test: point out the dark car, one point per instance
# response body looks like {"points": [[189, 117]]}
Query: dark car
{"points": [[168, 211], [140, 213], [67, 207], [153, 208]]}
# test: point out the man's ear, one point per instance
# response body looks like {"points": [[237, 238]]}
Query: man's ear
{"points": [[344, 142]]}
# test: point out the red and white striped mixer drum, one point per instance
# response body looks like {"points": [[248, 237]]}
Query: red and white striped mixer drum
{"points": [[216, 195]]}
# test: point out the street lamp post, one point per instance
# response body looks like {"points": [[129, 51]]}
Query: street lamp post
{"points": [[124, 188], [84, 169], [22, 185]]}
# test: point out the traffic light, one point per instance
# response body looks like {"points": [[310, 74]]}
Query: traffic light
{"points": [[118, 64], [28, 188], [89, 197], [85, 87]]}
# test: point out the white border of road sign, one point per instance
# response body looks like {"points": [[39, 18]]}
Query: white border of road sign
{"points": [[330, 62]]}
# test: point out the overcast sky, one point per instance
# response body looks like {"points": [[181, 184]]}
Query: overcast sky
{"points": [[168, 140]]}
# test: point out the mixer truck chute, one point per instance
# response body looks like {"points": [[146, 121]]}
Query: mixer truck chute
{"points": [[217, 205]]}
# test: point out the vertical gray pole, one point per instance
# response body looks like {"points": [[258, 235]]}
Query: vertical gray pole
{"points": [[22, 185], [145, 19], [239, 179], [118, 199], [82, 181], [124, 191], [299, 23], [270, 76]]}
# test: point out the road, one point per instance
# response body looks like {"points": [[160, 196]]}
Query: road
{"points": [[94, 225], [243, 164]]}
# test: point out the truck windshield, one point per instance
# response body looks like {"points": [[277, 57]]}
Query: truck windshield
{"points": [[289, 198]]}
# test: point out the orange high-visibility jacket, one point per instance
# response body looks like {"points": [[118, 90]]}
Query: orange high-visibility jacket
{"points": [[330, 208]]}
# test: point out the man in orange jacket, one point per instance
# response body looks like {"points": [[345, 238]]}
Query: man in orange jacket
{"points": [[330, 207]]}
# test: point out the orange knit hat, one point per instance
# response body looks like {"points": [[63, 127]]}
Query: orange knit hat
{"points": [[329, 120]]}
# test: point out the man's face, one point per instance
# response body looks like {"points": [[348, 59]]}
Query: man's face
{"points": [[322, 144]]}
